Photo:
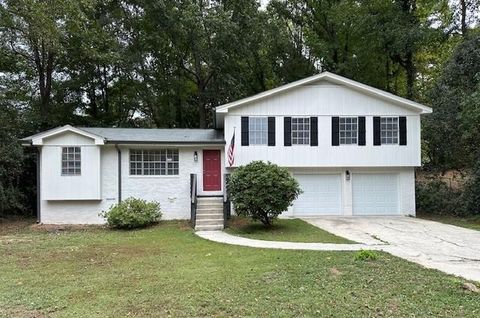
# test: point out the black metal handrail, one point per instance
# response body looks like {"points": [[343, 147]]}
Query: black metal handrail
{"points": [[226, 200], [193, 199]]}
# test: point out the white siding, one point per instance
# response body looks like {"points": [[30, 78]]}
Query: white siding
{"points": [[85, 186], [172, 192], [82, 212], [326, 101]]}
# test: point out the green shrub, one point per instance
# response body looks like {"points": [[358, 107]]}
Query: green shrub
{"points": [[366, 255], [132, 213], [471, 195], [262, 191], [435, 197]]}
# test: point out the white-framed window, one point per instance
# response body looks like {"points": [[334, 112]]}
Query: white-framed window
{"points": [[389, 130], [257, 130], [348, 130], [71, 161], [153, 162], [300, 130]]}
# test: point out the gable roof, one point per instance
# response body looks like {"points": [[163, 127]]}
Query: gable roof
{"points": [[37, 139], [333, 78], [134, 135]]}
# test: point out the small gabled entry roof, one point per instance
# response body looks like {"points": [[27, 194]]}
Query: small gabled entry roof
{"points": [[335, 79]]}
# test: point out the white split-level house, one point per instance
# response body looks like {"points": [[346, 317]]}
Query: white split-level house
{"points": [[352, 148]]}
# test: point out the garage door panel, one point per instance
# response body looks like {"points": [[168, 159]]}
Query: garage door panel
{"points": [[375, 194], [321, 195]]}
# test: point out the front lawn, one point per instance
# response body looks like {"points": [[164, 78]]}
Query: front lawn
{"points": [[470, 222], [287, 230], [167, 271]]}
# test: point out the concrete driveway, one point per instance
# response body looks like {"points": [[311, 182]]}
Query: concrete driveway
{"points": [[451, 249]]}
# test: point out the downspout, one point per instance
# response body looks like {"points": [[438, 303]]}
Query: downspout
{"points": [[39, 219], [119, 155]]}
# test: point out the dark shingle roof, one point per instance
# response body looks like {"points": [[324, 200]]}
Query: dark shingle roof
{"points": [[145, 135]]}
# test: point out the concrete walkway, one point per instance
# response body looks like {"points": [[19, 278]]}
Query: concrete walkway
{"points": [[222, 237], [451, 249]]}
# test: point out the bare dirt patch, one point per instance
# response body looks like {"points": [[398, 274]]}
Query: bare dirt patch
{"points": [[20, 312], [14, 225]]}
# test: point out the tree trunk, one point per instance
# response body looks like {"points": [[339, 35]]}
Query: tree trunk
{"points": [[202, 114], [44, 62], [411, 74], [463, 17]]}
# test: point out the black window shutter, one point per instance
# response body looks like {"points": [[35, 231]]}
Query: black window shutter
{"points": [[271, 131], [376, 131], [287, 131], [402, 125], [313, 131], [245, 131], [335, 131], [361, 131]]}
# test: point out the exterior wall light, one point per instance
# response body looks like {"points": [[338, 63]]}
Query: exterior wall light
{"points": [[195, 156], [347, 175]]}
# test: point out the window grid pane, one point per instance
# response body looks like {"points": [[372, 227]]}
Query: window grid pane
{"points": [[389, 130], [300, 131], [257, 130], [348, 130], [159, 162], [71, 161]]}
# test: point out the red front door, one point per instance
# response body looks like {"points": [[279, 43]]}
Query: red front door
{"points": [[212, 177]]}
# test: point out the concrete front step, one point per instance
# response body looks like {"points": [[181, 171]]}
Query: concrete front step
{"points": [[209, 222], [210, 206], [210, 211], [203, 216], [215, 227]]}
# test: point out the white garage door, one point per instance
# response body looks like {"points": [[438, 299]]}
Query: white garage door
{"points": [[321, 195], [375, 194]]}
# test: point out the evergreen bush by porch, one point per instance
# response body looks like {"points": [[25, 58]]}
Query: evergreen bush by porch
{"points": [[262, 191]]}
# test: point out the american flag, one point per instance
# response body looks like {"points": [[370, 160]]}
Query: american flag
{"points": [[231, 149]]}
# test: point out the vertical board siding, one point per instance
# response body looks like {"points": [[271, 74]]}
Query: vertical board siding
{"points": [[326, 155]]}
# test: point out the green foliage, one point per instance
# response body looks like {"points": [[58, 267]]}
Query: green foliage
{"points": [[262, 191], [132, 213], [471, 194], [435, 197], [366, 255], [452, 131]]}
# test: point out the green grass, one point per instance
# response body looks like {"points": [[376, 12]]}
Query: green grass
{"points": [[168, 271], [287, 230], [470, 222]]}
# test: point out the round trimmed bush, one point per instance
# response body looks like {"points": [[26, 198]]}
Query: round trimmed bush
{"points": [[262, 191], [132, 213]]}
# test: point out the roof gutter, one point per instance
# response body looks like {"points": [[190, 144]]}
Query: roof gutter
{"points": [[145, 142]]}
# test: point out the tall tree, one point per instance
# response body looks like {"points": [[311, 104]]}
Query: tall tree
{"points": [[452, 131], [34, 32]]}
